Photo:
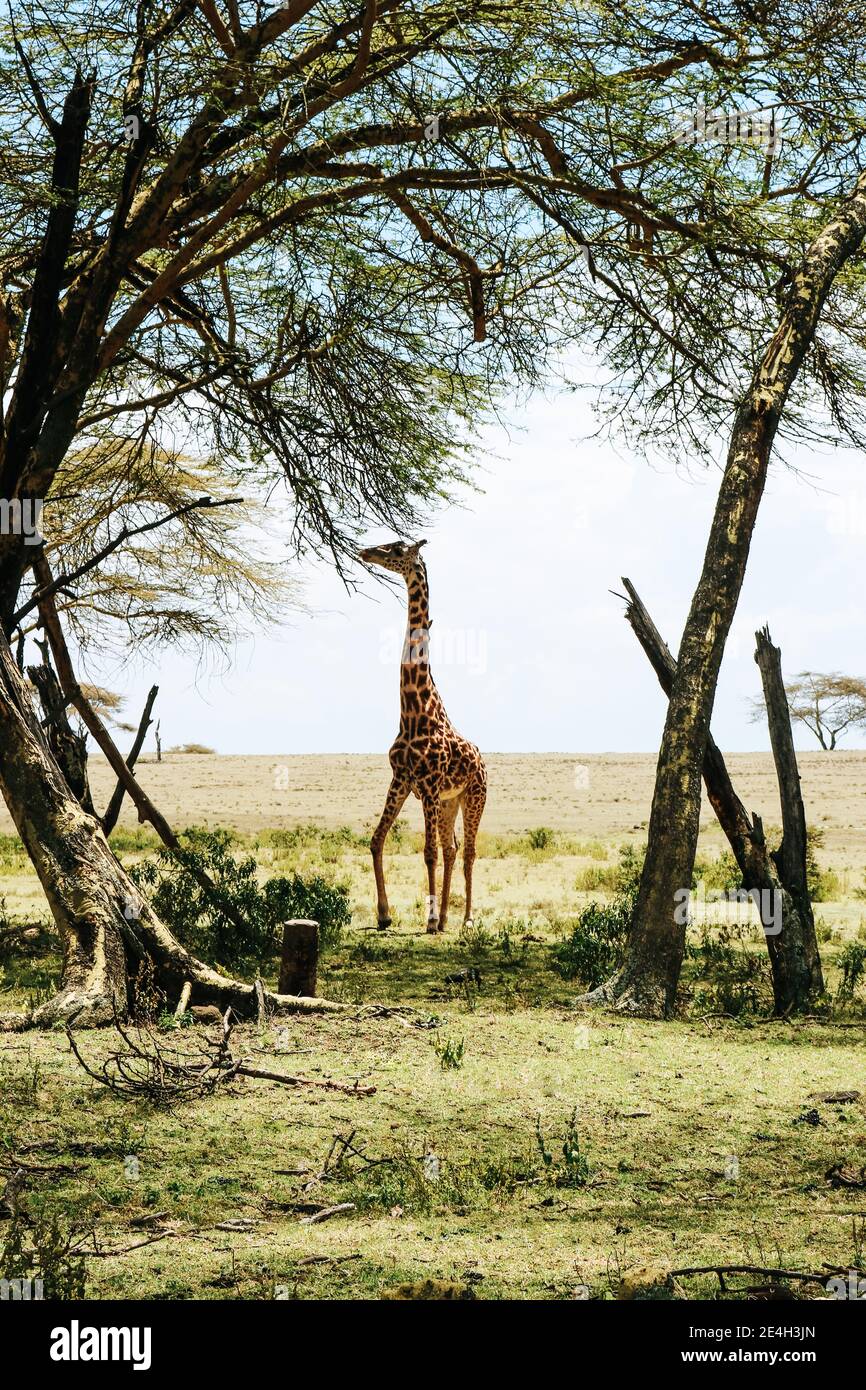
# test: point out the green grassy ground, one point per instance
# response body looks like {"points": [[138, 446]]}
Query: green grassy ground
{"points": [[559, 1151]]}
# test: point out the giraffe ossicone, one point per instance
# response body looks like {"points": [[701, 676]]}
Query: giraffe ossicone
{"points": [[429, 759]]}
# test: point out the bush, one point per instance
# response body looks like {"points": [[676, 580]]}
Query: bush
{"points": [[596, 876], [594, 949], [51, 1257], [824, 884], [450, 1052], [722, 874], [199, 920], [541, 837], [572, 1170], [314, 898], [852, 963], [735, 980]]}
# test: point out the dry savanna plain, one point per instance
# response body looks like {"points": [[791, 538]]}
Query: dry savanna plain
{"points": [[501, 1141]]}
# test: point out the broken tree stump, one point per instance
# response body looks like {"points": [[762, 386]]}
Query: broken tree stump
{"points": [[300, 958], [794, 959]]}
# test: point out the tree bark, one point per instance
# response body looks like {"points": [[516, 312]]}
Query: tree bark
{"points": [[647, 980], [68, 747], [106, 927], [795, 963], [112, 810], [75, 696], [803, 975], [300, 958]]}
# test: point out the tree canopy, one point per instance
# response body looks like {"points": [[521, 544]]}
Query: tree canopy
{"points": [[827, 703], [310, 242]]}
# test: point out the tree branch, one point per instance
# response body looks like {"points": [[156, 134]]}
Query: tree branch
{"points": [[126, 534], [142, 802], [112, 810]]}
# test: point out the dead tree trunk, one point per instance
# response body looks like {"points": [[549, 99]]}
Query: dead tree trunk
{"points": [[300, 959], [106, 927], [112, 810], [73, 693], [791, 858], [68, 747], [647, 980], [794, 960]]}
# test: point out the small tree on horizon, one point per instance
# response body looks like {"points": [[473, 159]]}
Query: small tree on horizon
{"points": [[828, 703]]}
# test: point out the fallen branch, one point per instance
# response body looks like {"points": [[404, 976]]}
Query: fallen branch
{"points": [[327, 1214], [354, 1089], [720, 1270], [165, 1076], [124, 1249], [329, 1259], [837, 1176], [151, 1219]]}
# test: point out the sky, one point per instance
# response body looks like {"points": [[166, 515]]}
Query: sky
{"points": [[530, 649]]}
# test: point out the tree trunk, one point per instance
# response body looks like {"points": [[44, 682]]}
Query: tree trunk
{"points": [[68, 747], [647, 981], [794, 945], [799, 944], [300, 959], [106, 927]]}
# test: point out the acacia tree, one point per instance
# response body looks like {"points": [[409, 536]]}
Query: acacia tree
{"points": [[193, 246], [758, 328], [287, 233], [647, 980], [828, 703]]}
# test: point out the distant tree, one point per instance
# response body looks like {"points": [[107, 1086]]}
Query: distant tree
{"points": [[829, 704]]}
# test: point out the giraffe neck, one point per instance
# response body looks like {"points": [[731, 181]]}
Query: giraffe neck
{"points": [[415, 675]]}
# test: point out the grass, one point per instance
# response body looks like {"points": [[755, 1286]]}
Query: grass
{"points": [[515, 1144], [660, 1110]]}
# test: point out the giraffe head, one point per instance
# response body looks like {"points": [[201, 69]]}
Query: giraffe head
{"points": [[399, 556]]}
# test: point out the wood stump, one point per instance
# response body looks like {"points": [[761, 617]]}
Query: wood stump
{"points": [[300, 958]]}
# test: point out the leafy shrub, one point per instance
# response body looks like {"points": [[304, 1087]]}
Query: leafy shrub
{"points": [[52, 1257], [450, 1052], [737, 979], [594, 949], [596, 876], [572, 1170], [541, 837], [288, 840], [312, 897], [824, 884], [852, 963], [722, 873], [198, 918]]}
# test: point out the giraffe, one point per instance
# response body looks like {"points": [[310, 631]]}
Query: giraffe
{"points": [[428, 757]]}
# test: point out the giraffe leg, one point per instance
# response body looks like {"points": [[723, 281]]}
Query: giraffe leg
{"points": [[473, 807], [430, 806], [448, 841], [397, 793]]}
